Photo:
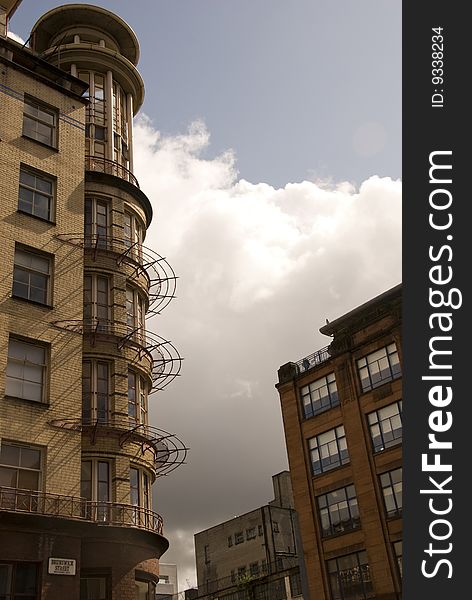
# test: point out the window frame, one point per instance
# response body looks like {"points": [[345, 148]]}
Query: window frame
{"points": [[45, 368], [87, 574], [398, 545], [92, 228], [382, 434], [93, 321], [11, 582], [143, 488], [345, 526], [19, 467], [133, 234], [136, 318], [366, 593], [141, 399], [93, 395], [238, 538], [39, 105], [308, 391], [316, 449], [394, 369], [388, 485], [48, 290], [28, 170]]}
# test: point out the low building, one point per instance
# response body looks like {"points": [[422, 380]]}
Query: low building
{"points": [[254, 555], [167, 586], [342, 413]]}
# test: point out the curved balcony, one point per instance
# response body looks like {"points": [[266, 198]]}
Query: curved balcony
{"points": [[77, 508], [141, 261], [169, 450], [110, 167], [163, 357]]}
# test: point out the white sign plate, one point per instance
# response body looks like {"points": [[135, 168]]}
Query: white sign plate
{"points": [[61, 566]]}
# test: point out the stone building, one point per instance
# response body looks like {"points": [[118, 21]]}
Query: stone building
{"points": [[342, 413], [78, 456], [254, 555]]}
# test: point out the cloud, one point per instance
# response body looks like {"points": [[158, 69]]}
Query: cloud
{"points": [[15, 37], [260, 269]]}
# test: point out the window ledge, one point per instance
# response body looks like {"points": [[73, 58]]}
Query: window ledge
{"points": [[317, 475], [43, 144], [39, 304], [33, 402], [24, 212], [377, 452], [340, 533]]}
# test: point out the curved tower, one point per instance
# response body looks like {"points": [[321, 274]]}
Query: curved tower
{"points": [[101, 503]]}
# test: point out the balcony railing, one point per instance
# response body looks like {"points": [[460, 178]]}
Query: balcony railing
{"points": [[318, 357], [105, 165], [169, 451], [72, 507]]}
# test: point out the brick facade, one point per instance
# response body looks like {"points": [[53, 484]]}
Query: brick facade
{"points": [[358, 334]]}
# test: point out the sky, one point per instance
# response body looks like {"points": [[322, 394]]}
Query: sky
{"points": [[269, 145]]}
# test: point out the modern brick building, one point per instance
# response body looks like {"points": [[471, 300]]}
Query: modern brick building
{"points": [[342, 413], [77, 453], [254, 556]]}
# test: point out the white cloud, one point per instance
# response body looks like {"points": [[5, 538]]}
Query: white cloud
{"points": [[15, 37], [260, 269]]}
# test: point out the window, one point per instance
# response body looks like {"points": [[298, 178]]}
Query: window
{"points": [[260, 530], [378, 367], [145, 590], [338, 511], [385, 426], [254, 569], [96, 222], [31, 276], [96, 303], [95, 487], [230, 541], [391, 483], [140, 488], [39, 122], [95, 392], [137, 399], [135, 311], [328, 450], [20, 467], [207, 554], [349, 577], [93, 588], [251, 533], [26, 370], [275, 527], [295, 585], [133, 235], [19, 580], [271, 590], [36, 194], [239, 537], [398, 550], [264, 565], [320, 395], [241, 571]]}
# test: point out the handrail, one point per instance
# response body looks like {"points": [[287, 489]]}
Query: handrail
{"points": [[318, 357], [73, 507], [111, 167]]}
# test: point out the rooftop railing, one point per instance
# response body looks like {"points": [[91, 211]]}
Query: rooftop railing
{"points": [[312, 360], [72, 507]]}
